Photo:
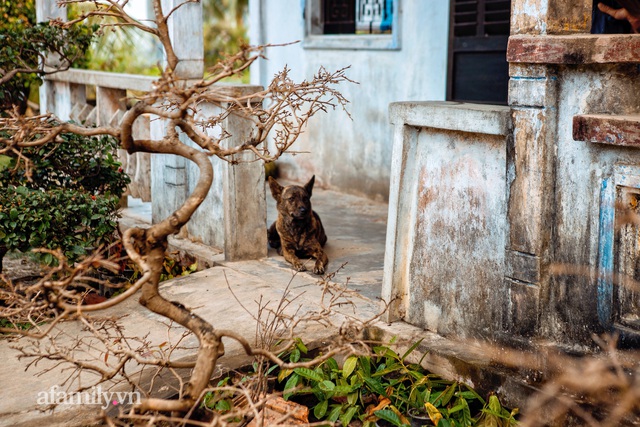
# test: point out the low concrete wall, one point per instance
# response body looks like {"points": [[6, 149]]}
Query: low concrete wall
{"points": [[444, 264]]}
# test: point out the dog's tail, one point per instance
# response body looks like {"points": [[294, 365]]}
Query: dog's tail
{"points": [[273, 237]]}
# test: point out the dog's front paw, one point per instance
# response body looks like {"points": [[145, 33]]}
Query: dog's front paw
{"points": [[298, 266], [318, 268]]}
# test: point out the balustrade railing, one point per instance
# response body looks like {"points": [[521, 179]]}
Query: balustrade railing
{"points": [[100, 98], [232, 217]]}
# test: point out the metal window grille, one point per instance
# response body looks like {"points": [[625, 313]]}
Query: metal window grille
{"points": [[357, 16], [373, 16], [339, 16]]}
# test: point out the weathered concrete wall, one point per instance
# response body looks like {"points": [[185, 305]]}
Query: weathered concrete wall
{"points": [[563, 249], [446, 236], [467, 256], [503, 225], [354, 156], [586, 174]]}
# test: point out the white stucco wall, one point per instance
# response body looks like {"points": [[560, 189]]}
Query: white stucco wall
{"points": [[354, 155]]}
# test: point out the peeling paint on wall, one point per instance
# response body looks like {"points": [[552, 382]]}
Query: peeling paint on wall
{"points": [[456, 266]]}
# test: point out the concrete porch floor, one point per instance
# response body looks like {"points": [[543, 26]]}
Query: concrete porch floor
{"points": [[356, 232]]}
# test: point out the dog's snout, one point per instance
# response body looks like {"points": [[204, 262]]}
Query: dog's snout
{"points": [[300, 211]]}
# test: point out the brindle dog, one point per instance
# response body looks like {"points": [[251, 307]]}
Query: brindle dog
{"points": [[298, 231]]}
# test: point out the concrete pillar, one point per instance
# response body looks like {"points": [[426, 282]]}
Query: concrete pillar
{"points": [[52, 92], [245, 207], [532, 97], [138, 165], [185, 28], [168, 173], [258, 70], [530, 164], [550, 16], [55, 98], [46, 10]]}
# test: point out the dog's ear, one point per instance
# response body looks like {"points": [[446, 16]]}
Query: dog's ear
{"points": [[276, 189], [309, 185]]}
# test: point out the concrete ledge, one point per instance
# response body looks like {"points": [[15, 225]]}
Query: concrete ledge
{"points": [[138, 215], [574, 49], [206, 256], [104, 79], [607, 129], [351, 42], [456, 116], [139, 82]]}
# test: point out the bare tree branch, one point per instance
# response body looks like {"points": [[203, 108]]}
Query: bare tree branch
{"points": [[280, 111]]}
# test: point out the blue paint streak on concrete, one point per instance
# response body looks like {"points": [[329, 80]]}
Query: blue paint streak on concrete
{"points": [[530, 78], [605, 253]]}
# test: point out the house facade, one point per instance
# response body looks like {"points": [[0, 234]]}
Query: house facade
{"points": [[509, 215], [353, 154], [514, 223]]}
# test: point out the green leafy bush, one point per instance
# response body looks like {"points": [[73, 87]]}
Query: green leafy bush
{"points": [[81, 163], [370, 390], [385, 386], [66, 197], [59, 218], [23, 42]]}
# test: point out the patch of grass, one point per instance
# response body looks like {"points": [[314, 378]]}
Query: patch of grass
{"points": [[21, 326]]}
